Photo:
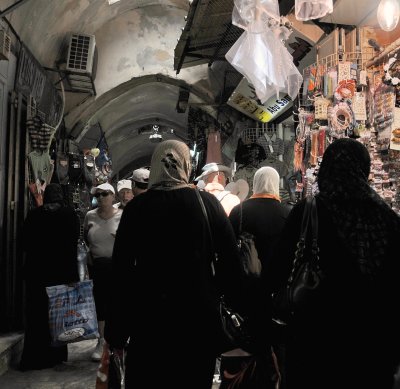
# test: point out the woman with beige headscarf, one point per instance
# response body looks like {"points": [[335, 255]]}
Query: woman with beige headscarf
{"points": [[166, 285]]}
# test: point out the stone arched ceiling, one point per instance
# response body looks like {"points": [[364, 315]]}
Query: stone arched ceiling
{"points": [[135, 80]]}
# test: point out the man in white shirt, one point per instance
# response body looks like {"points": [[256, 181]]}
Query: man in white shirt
{"points": [[215, 175]]}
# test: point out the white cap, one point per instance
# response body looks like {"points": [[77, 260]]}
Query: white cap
{"points": [[105, 186], [124, 184], [140, 175], [211, 168]]}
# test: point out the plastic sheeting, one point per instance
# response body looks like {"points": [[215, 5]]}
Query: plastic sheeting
{"points": [[259, 53], [312, 9]]}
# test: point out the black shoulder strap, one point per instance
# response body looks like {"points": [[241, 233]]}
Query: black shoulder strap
{"points": [[203, 208], [306, 218], [309, 213], [240, 218]]}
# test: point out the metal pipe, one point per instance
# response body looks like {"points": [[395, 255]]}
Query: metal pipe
{"points": [[392, 48], [12, 7], [16, 214], [9, 254]]}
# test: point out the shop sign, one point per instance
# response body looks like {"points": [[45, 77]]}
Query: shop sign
{"points": [[245, 100]]}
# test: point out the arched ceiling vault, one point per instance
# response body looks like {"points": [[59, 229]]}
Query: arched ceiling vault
{"points": [[135, 80]]}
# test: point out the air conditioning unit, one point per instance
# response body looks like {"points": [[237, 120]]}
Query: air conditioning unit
{"points": [[81, 63], [5, 45], [81, 53]]}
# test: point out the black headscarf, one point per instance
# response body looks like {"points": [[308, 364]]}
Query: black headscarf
{"points": [[364, 221], [53, 196]]}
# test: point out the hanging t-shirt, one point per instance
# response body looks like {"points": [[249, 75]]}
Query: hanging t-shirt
{"points": [[272, 145], [41, 166]]}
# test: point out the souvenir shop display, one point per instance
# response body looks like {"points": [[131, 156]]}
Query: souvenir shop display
{"points": [[343, 98]]}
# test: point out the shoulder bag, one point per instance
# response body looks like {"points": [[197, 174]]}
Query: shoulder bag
{"points": [[303, 287], [232, 323], [250, 261]]}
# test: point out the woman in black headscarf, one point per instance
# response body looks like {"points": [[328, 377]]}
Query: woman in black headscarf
{"points": [[50, 237], [352, 341], [166, 284]]}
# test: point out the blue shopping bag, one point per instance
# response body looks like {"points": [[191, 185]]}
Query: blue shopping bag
{"points": [[72, 313]]}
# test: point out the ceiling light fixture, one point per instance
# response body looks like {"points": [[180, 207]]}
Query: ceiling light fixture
{"points": [[388, 14], [112, 1], [155, 137]]}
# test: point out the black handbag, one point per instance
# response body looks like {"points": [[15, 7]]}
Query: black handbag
{"points": [[233, 324], [251, 264], [303, 290]]}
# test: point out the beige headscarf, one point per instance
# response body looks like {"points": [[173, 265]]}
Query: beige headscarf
{"points": [[170, 166], [266, 182]]}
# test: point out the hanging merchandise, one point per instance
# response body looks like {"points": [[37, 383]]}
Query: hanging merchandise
{"points": [[214, 153], [259, 53], [103, 162], [341, 120], [321, 108], [312, 9]]}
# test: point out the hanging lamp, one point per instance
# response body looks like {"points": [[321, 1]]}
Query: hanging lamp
{"points": [[388, 14]]}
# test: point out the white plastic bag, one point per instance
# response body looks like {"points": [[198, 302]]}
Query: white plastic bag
{"points": [[246, 12], [72, 313], [312, 9], [262, 58]]}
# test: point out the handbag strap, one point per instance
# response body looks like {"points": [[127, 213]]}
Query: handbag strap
{"points": [[314, 226], [309, 214], [240, 218], [203, 208]]}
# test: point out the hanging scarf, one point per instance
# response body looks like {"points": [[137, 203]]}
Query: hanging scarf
{"points": [[170, 166], [362, 219]]}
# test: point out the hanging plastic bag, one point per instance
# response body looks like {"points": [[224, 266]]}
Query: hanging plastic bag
{"points": [[262, 58], [312, 9], [72, 313], [245, 12], [259, 53]]}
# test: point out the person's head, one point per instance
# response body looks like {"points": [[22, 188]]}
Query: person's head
{"points": [[124, 189], [214, 172], [140, 180], [53, 194], [170, 166], [266, 180], [104, 194], [345, 169]]}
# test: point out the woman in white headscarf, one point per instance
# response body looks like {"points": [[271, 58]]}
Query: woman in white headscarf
{"points": [[163, 294], [263, 216]]}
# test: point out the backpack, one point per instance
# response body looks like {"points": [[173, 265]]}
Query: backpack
{"points": [[251, 264]]}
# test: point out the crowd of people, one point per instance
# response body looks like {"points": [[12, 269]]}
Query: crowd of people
{"points": [[155, 287]]}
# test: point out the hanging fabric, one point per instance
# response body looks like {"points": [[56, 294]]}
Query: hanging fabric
{"points": [[214, 153]]}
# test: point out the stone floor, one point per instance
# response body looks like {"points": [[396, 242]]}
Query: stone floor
{"points": [[78, 373]]}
